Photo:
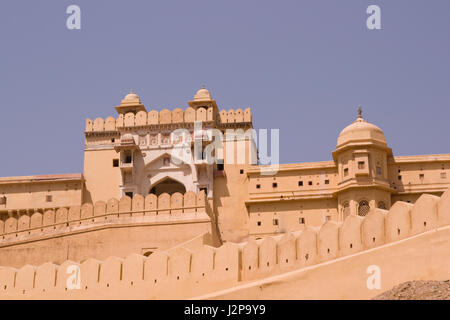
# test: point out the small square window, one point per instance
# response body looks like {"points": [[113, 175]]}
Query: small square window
{"points": [[259, 223], [327, 181], [310, 183], [128, 158], [113, 140], [399, 177], [48, 198], [241, 171], [274, 184], [301, 220], [275, 222], [379, 172], [345, 172], [258, 186], [361, 165], [115, 162], [421, 176], [220, 166], [300, 183]]}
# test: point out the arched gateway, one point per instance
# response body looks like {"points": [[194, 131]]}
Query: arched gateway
{"points": [[167, 185]]}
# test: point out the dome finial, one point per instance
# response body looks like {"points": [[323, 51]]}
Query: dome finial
{"points": [[203, 86], [359, 112]]}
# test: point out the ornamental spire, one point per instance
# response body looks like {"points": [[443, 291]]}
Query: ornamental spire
{"points": [[359, 112]]}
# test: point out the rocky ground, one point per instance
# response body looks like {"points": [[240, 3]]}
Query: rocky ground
{"points": [[418, 290]]}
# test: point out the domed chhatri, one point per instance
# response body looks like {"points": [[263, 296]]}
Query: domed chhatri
{"points": [[130, 103], [361, 130], [131, 98], [202, 95], [203, 99]]}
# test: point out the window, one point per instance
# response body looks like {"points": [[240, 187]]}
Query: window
{"points": [[310, 183], [363, 208], [275, 222], [327, 181], [382, 205], [443, 175], [345, 172], [3, 200], [115, 162], [361, 165], [300, 183], [241, 171], [379, 171], [220, 166], [259, 223], [129, 194], [421, 176], [274, 184], [113, 140], [399, 178], [301, 220], [258, 186], [128, 158], [48, 198], [327, 218], [204, 190]]}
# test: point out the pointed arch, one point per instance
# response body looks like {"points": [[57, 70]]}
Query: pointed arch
{"points": [[167, 185]]}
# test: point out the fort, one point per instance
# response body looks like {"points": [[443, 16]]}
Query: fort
{"points": [[140, 225]]}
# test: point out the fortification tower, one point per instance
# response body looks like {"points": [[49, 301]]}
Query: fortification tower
{"points": [[361, 157], [133, 155]]}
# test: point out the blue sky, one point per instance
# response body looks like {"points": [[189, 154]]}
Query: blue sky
{"points": [[302, 66]]}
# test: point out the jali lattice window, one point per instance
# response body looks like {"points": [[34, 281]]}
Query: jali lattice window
{"points": [[363, 208]]}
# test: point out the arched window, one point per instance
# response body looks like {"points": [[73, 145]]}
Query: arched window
{"points": [[169, 186], [345, 209], [382, 205], [363, 208]]}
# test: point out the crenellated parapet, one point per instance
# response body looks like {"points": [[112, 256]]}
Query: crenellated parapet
{"points": [[183, 273], [153, 277], [165, 208], [176, 118]]}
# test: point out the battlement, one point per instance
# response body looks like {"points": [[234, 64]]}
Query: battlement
{"points": [[183, 273], [165, 117], [175, 208]]}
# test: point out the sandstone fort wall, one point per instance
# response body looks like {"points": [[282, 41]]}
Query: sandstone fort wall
{"points": [[183, 273]]}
